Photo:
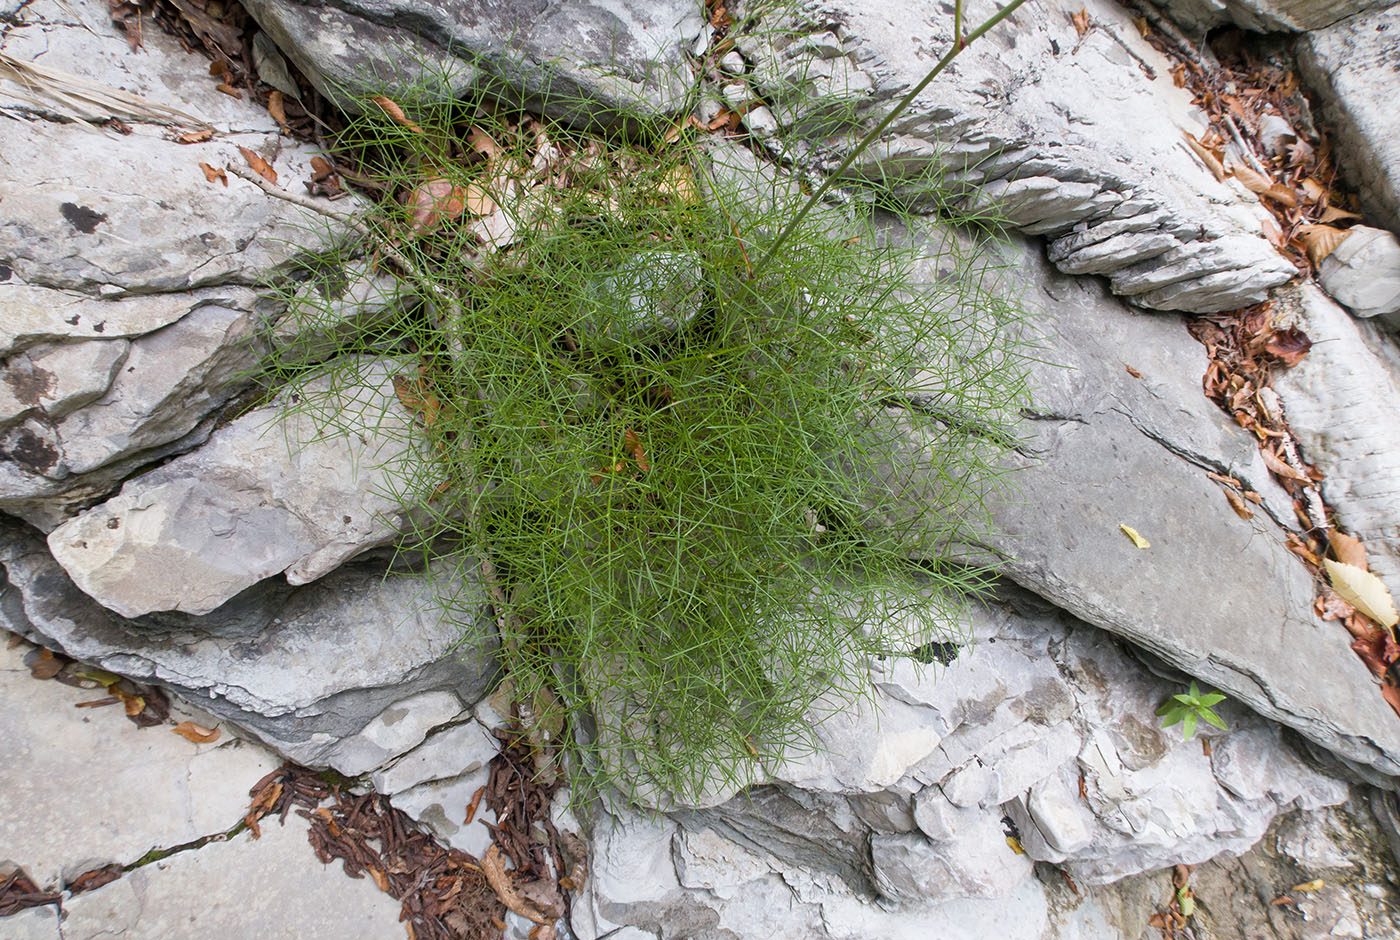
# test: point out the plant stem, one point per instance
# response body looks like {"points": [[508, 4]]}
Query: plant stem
{"points": [[958, 46]]}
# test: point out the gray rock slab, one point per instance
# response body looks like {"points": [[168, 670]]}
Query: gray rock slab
{"points": [[1066, 136], [272, 492], [1353, 67], [592, 61], [301, 669], [1216, 595], [35, 923], [1343, 403], [85, 787], [1264, 15], [271, 887], [1363, 272]]}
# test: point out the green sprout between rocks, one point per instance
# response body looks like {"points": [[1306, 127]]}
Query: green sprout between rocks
{"points": [[1191, 707], [708, 444]]}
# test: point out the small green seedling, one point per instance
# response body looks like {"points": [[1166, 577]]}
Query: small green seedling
{"points": [[1189, 708]]}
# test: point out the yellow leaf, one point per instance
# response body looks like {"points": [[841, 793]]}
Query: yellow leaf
{"points": [[1314, 885], [1362, 590], [1132, 533], [1015, 844], [101, 676]]}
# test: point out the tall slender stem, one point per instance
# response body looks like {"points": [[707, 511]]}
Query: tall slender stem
{"points": [[879, 129]]}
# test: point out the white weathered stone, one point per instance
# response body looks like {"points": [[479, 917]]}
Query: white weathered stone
{"points": [[1263, 15], [707, 861], [1304, 837], [605, 60], [971, 785], [452, 752], [300, 669], [270, 493], [54, 380], [441, 806], [1067, 136], [1060, 816], [396, 730], [977, 863], [1363, 272], [85, 788], [269, 887], [1350, 68], [1343, 403], [35, 923]]}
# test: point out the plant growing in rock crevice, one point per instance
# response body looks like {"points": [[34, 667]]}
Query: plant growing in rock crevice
{"points": [[708, 450]]}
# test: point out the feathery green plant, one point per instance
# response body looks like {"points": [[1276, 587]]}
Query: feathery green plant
{"points": [[708, 444]]}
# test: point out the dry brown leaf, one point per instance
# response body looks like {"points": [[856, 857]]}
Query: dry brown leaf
{"points": [[395, 113], [1333, 214], [1253, 180], [1133, 372], [1349, 551], [45, 665], [198, 734], [1144, 29], [98, 703], [276, 108], [195, 137], [477, 201], [484, 144], [1313, 191], [633, 443], [1209, 159], [679, 184], [134, 704], [381, 880], [1280, 468], [213, 175], [1282, 195], [1273, 233], [1320, 240], [1080, 20], [1300, 548], [229, 90], [259, 165], [1238, 504], [432, 201], [411, 395], [494, 868], [1289, 346]]}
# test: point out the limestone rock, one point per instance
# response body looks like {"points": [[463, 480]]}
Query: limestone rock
{"points": [[1343, 402], [1078, 139], [978, 863], [268, 887], [270, 493], [1263, 15], [1363, 272], [301, 669], [399, 728], [1353, 66], [88, 788], [598, 61], [460, 749]]}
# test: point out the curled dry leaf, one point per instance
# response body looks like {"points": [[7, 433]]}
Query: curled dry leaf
{"points": [[1253, 180], [483, 143], [493, 866], [1333, 214], [1281, 469], [229, 90], [219, 175], [395, 113], [1330, 606], [195, 137], [1209, 159], [1080, 20], [259, 165], [1319, 241], [197, 734], [43, 664], [1349, 551], [1238, 504], [1288, 346], [1313, 191], [1364, 591]]}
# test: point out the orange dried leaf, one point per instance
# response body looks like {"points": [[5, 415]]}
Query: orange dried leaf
{"points": [[478, 201], [1238, 504], [213, 175], [1282, 195], [259, 165], [1348, 550], [1319, 241], [483, 143], [1080, 20], [395, 113], [1313, 191], [198, 734], [195, 137], [1209, 159], [1333, 214], [1253, 180], [1281, 469], [229, 90], [276, 108], [1133, 372], [45, 665], [381, 880]]}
